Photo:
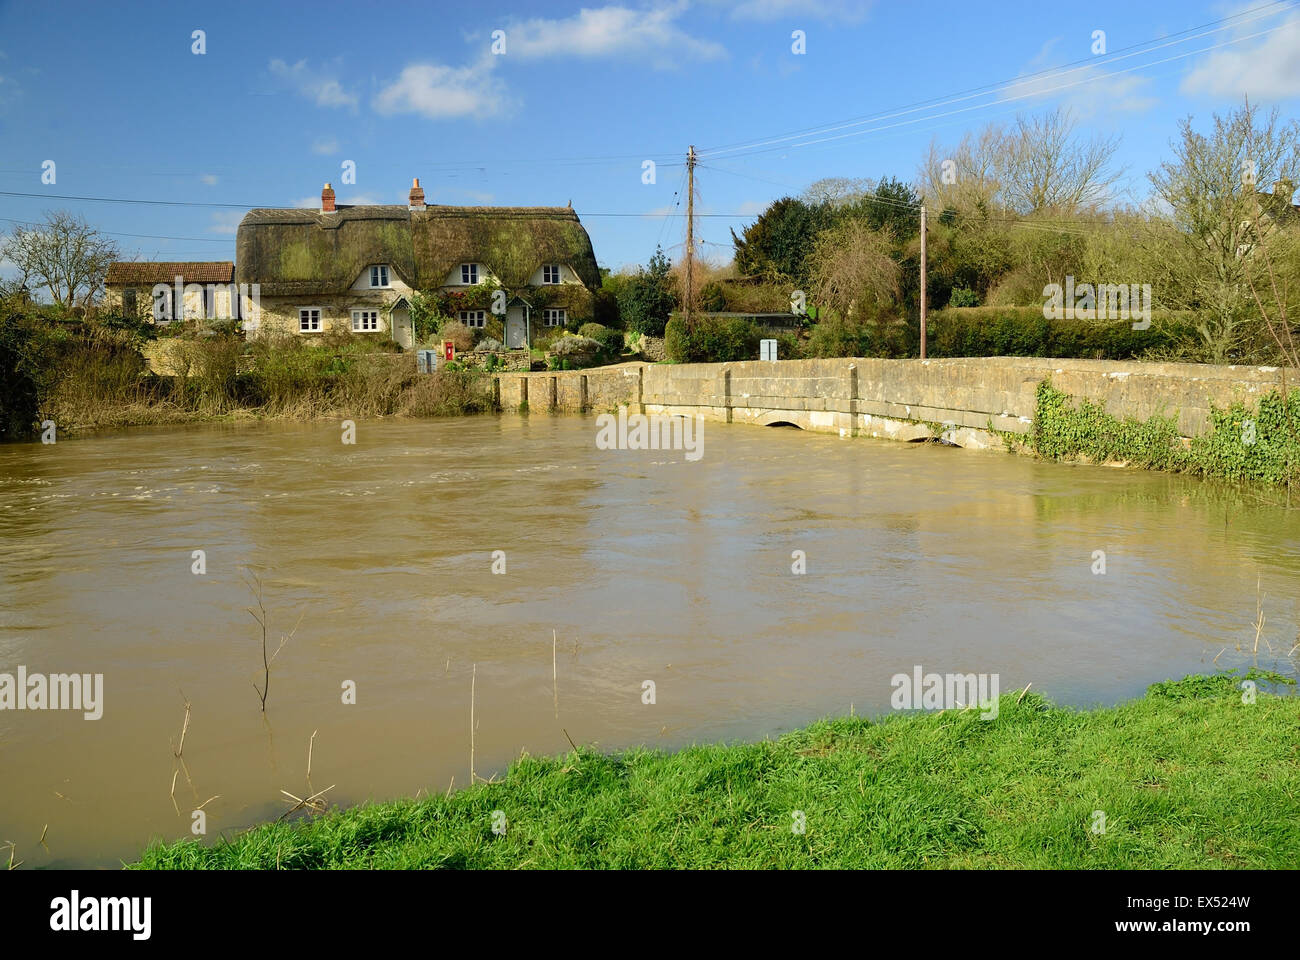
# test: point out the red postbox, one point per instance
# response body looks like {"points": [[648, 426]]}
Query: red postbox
{"points": [[448, 351]]}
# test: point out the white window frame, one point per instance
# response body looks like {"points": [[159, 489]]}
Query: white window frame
{"points": [[360, 315], [554, 316], [379, 276], [554, 272], [471, 271], [473, 318], [320, 319]]}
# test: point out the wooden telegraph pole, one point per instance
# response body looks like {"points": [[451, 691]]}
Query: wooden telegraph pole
{"points": [[690, 238], [922, 282]]}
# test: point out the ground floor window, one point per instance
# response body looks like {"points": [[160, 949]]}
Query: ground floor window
{"points": [[554, 317], [473, 318], [365, 321], [309, 320]]}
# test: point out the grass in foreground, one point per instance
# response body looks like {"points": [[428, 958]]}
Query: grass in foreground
{"points": [[1188, 776]]}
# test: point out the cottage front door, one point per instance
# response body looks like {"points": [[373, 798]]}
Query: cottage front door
{"points": [[516, 329]]}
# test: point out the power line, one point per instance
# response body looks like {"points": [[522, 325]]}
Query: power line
{"points": [[1244, 17], [141, 236], [1026, 96], [154, 203]]}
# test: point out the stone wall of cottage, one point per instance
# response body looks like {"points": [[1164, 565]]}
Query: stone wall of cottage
{"points": [[279, 315]]}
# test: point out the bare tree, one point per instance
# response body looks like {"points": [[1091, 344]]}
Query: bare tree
{"points": [[66, 254], [838, 191], [1043, 166], [1210, 189], [854, 271], [964, 177]]}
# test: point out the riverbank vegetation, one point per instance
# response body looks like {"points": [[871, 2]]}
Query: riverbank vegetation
{"points": [[86, 372], [1198, 773]]}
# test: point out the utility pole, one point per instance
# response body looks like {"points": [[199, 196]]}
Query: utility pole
{"points": [[923, 282], [690, 237]]}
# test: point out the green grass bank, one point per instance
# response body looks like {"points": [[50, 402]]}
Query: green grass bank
{"points": [[1189, 776]]}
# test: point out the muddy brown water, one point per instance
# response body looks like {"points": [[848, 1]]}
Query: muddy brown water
{"points": [[646, 566]]}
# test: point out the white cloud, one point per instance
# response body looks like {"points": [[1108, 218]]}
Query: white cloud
{"points": [[608, 32], [315, 85], [1085, 90], [325, 146], [751, 208], [209, 178], [1267, 69], [225, 221], [440, 92], [844, 11]]}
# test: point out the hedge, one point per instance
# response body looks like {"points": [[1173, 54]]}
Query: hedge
{"points": [[1025, 332], [712, 340]]}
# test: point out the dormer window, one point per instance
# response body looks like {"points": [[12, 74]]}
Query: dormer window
{"points": [[551, 273], [469, 273], [379, 276]]}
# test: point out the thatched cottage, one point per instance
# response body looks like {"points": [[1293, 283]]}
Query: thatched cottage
{"points": [[357, 267]]}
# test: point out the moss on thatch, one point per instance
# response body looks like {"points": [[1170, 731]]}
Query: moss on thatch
{"points": [[302, 252], [292, 252], [512, 242]]}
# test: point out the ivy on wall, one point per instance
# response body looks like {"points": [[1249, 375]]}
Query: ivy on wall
{"points": [[1261, 446]]}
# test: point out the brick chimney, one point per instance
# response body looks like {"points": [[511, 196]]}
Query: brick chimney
{"points": [[1283, 189], [327, 199], [416, 199]]}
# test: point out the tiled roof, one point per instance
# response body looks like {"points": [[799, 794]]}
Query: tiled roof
{"points": [[150, 272]]}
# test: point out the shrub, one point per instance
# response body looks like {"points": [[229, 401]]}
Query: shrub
{"points": [[713, 340], [746, 296], [963, 297], [578, 351], [459, 334], [834, 336], [18, 387], [646, 299], [712, 297], [611, 341], [604, 308]]}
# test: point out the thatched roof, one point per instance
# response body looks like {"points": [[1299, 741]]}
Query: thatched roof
{"points": [[304, 252], [125, 273], [512, 242]]}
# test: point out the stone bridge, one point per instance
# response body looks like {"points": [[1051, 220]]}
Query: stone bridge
{"points": [[966, 398]]}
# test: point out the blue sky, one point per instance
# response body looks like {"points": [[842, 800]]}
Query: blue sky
{"points": [[286, 93]]}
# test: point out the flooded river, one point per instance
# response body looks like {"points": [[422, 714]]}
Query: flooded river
{"points": [[646, 566]]}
